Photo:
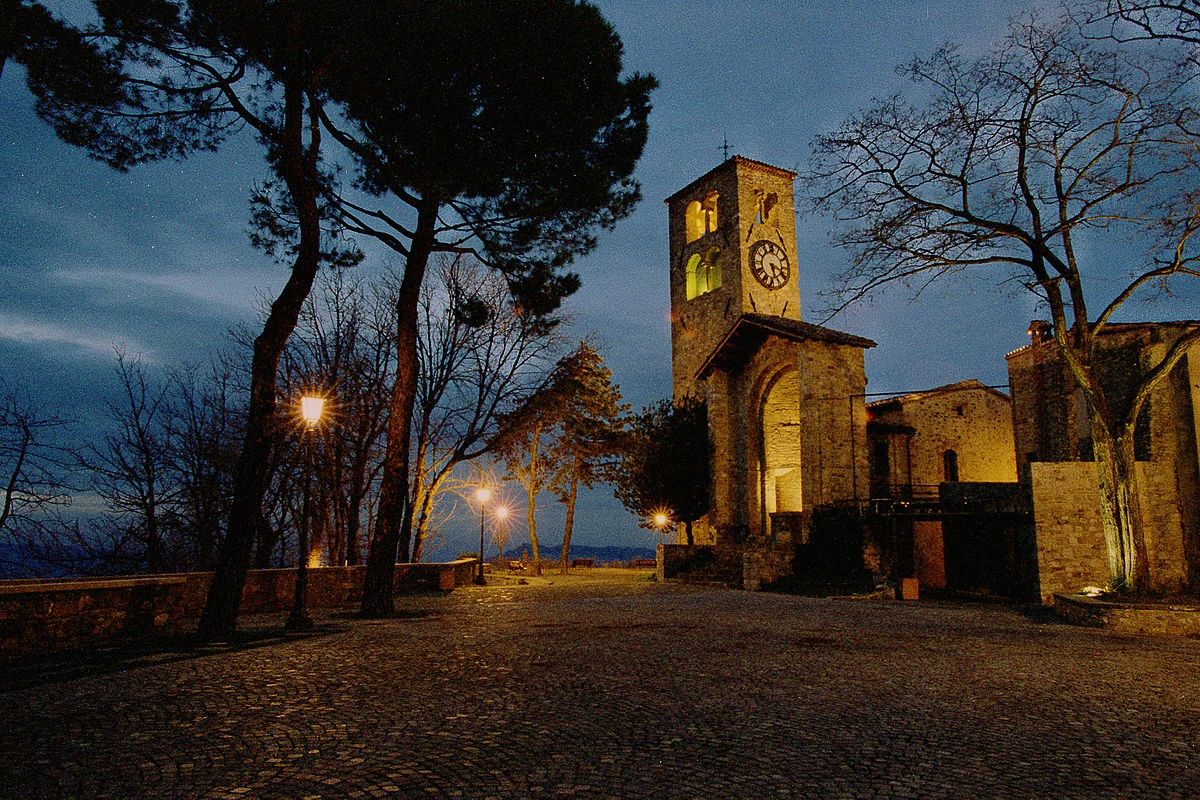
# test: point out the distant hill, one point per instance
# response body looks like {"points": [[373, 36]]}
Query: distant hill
{"points": [[551, 550]]}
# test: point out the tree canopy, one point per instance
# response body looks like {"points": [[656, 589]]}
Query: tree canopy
{"points": [[666, 463], [514, 119], [506, 131]]}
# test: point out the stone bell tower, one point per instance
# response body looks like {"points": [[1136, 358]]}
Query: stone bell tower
{"points": [[784, 397], [733, 252]]}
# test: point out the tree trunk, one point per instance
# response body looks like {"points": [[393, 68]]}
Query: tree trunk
{"points": [[391, 521], [569, 527], [353, 523], [1120, 511], [299, 170], [531, 492], [421, 526], [687, 530]]}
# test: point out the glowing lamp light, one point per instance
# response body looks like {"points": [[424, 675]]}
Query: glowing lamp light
{"points": [[483, 494], [501, 513], [661, 519], [311, 409]]}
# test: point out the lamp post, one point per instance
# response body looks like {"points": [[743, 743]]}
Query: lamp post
{"points": [[499, 534], [661, 520], [311, 408], [483, 494]]}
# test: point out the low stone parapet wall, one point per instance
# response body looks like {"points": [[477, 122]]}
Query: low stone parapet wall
{"points": [[676, 558], [1136, 618], [45, 615]]}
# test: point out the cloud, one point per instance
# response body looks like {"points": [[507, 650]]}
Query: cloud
{"points": [[221, 290], [37, 333]]}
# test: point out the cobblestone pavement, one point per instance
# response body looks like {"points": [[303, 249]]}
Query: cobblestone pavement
{"points": [[629, 691]]}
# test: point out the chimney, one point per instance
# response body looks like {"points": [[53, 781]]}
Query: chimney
{"points": [[1040, 331]]}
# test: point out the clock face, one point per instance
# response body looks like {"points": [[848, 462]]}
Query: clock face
{"points": [[769, 263]]}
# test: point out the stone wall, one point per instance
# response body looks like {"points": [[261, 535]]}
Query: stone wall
{"points": [[835, 459], [674, 559], [764, 565], [1185, 392], [1070, 537], [972, 420], [38, 615], [1141, 619], [823, 438], [929, 554]]}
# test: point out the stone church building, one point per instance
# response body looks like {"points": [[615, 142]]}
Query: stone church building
{"points": [[784, 396], [942, 472]]}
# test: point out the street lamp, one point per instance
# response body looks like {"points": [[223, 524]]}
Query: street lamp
{"points": [[661, 521], [499, 533], [311, 408], [483, 494]]}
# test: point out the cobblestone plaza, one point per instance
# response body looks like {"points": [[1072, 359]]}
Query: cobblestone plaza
{"points": [[630, 690]]}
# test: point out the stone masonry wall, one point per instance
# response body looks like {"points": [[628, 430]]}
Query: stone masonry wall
{"points": [[1070, 537], [697, 325], [976, 423], [833, 450], [38, 616]]}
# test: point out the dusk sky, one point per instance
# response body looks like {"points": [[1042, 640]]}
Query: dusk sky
{"points": [[157, 261]]}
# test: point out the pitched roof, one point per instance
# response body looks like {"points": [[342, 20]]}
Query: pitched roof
{"points": [[961, 386], [741, 161], [751, 330]]}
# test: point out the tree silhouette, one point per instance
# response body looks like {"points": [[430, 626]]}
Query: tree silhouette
{"points": [[666, 463], [483, 140], [1019, 162]]}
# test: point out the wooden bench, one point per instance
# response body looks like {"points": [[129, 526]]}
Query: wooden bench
{"points": [[643, 562], [516, 566]]}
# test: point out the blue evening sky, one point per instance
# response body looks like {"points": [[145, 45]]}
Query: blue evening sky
{"points": [[157, 262]]}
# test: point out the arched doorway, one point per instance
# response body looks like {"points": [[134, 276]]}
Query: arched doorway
{"points": [[780, 487]]}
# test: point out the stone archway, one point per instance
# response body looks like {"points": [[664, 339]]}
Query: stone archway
{"points": [[780, 486]]}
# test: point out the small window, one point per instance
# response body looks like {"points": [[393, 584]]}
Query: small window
{"points": [[765, 203], [879, 460], [694, 220], [700, 217], [950, 466], [703, 273], [693, 276]]}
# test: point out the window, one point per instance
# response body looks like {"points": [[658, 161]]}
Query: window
{"points": [[694, 219], [693, 276], [765, 203], [700, 217], [703, 272], [950, 466]]}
